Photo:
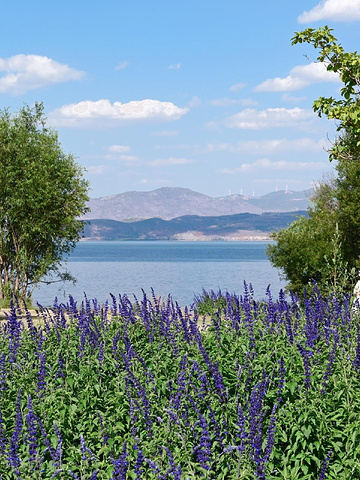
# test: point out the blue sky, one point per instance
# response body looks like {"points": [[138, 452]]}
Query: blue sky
{"points": [[204, 94]]}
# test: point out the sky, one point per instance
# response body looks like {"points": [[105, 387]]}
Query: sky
{"points": [[202, 94]]}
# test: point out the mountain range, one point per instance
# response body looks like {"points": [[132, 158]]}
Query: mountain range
{"points": [[168, 203], [182, 214]]}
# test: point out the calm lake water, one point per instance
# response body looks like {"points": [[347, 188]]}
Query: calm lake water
{"points": [[182, 269]]}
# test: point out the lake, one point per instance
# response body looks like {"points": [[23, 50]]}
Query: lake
{"points": [[182, 269]]}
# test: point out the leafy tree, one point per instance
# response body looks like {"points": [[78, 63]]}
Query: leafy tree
{"points": [[325, 246], [42, 196], [345, 110]]}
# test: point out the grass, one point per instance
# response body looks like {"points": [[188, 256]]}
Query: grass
{"points": [[146, 389]]}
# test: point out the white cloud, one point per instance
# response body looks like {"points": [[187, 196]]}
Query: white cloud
{"points": [[119, 148], [157, 182], [228, 102], [166, 133], [265, 163], [28, 72], [237, 87], [122, 65], [97, 170], [299, 77], [161, 162], [174, 66], [336, 10], [251, 119], [269, 147], [121, 158], [88, 112], [194, 102]]}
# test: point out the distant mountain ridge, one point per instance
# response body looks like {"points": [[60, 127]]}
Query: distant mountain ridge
{"points": [[243, 226], [172, 202]]}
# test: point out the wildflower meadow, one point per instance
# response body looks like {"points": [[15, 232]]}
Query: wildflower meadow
{"points": [[228, 388]]}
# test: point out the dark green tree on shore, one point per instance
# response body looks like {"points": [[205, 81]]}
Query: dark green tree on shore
{"points": [[325, 245], [42, 195]]}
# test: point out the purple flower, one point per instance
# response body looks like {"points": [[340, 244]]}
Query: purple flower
{"points": [[32, 430], [324, 466], [139, 462], [120, 466], [3, 440], [58, 452], [103, 430], [270, 435], [173, 470], [60, 371], [14, 459], [3, 372], [203, 449]]}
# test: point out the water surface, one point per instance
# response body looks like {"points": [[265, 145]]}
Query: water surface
{"points": [[181, 269]]}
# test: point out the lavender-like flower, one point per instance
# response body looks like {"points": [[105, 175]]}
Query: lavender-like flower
{"points": [[324, 466], [270, 435], [203, 450], [3, 440], [60, 371], [32, 430], [105, 436], [101, 353], [120, 465], [3, 373], [173, 469], [58, 452], [139, 462], [14, 459], [14, 333]]}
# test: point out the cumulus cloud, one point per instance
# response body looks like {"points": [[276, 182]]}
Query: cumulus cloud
{"points": [[174, 66], [122, 65], [162, 162], [88, 112], [237, 87], [266, 163], [251, 119], [268, 147], [336, 10], [119, 148], [28, 72], [299, 77]]}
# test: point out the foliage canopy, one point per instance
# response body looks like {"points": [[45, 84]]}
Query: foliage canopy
{"points": [[43, 194], [325, 245]]}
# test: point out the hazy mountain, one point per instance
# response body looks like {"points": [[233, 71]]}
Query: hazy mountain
{"points": [[168, 203], [244, 226]]}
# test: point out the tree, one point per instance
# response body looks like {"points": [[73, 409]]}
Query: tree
{"points": [[42, 195], [311, 247], [325, 245], [347, 109]]}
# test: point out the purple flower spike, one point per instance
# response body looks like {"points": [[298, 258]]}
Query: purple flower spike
{"points": [[324, 467], [120, 466], [32, 430]]}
